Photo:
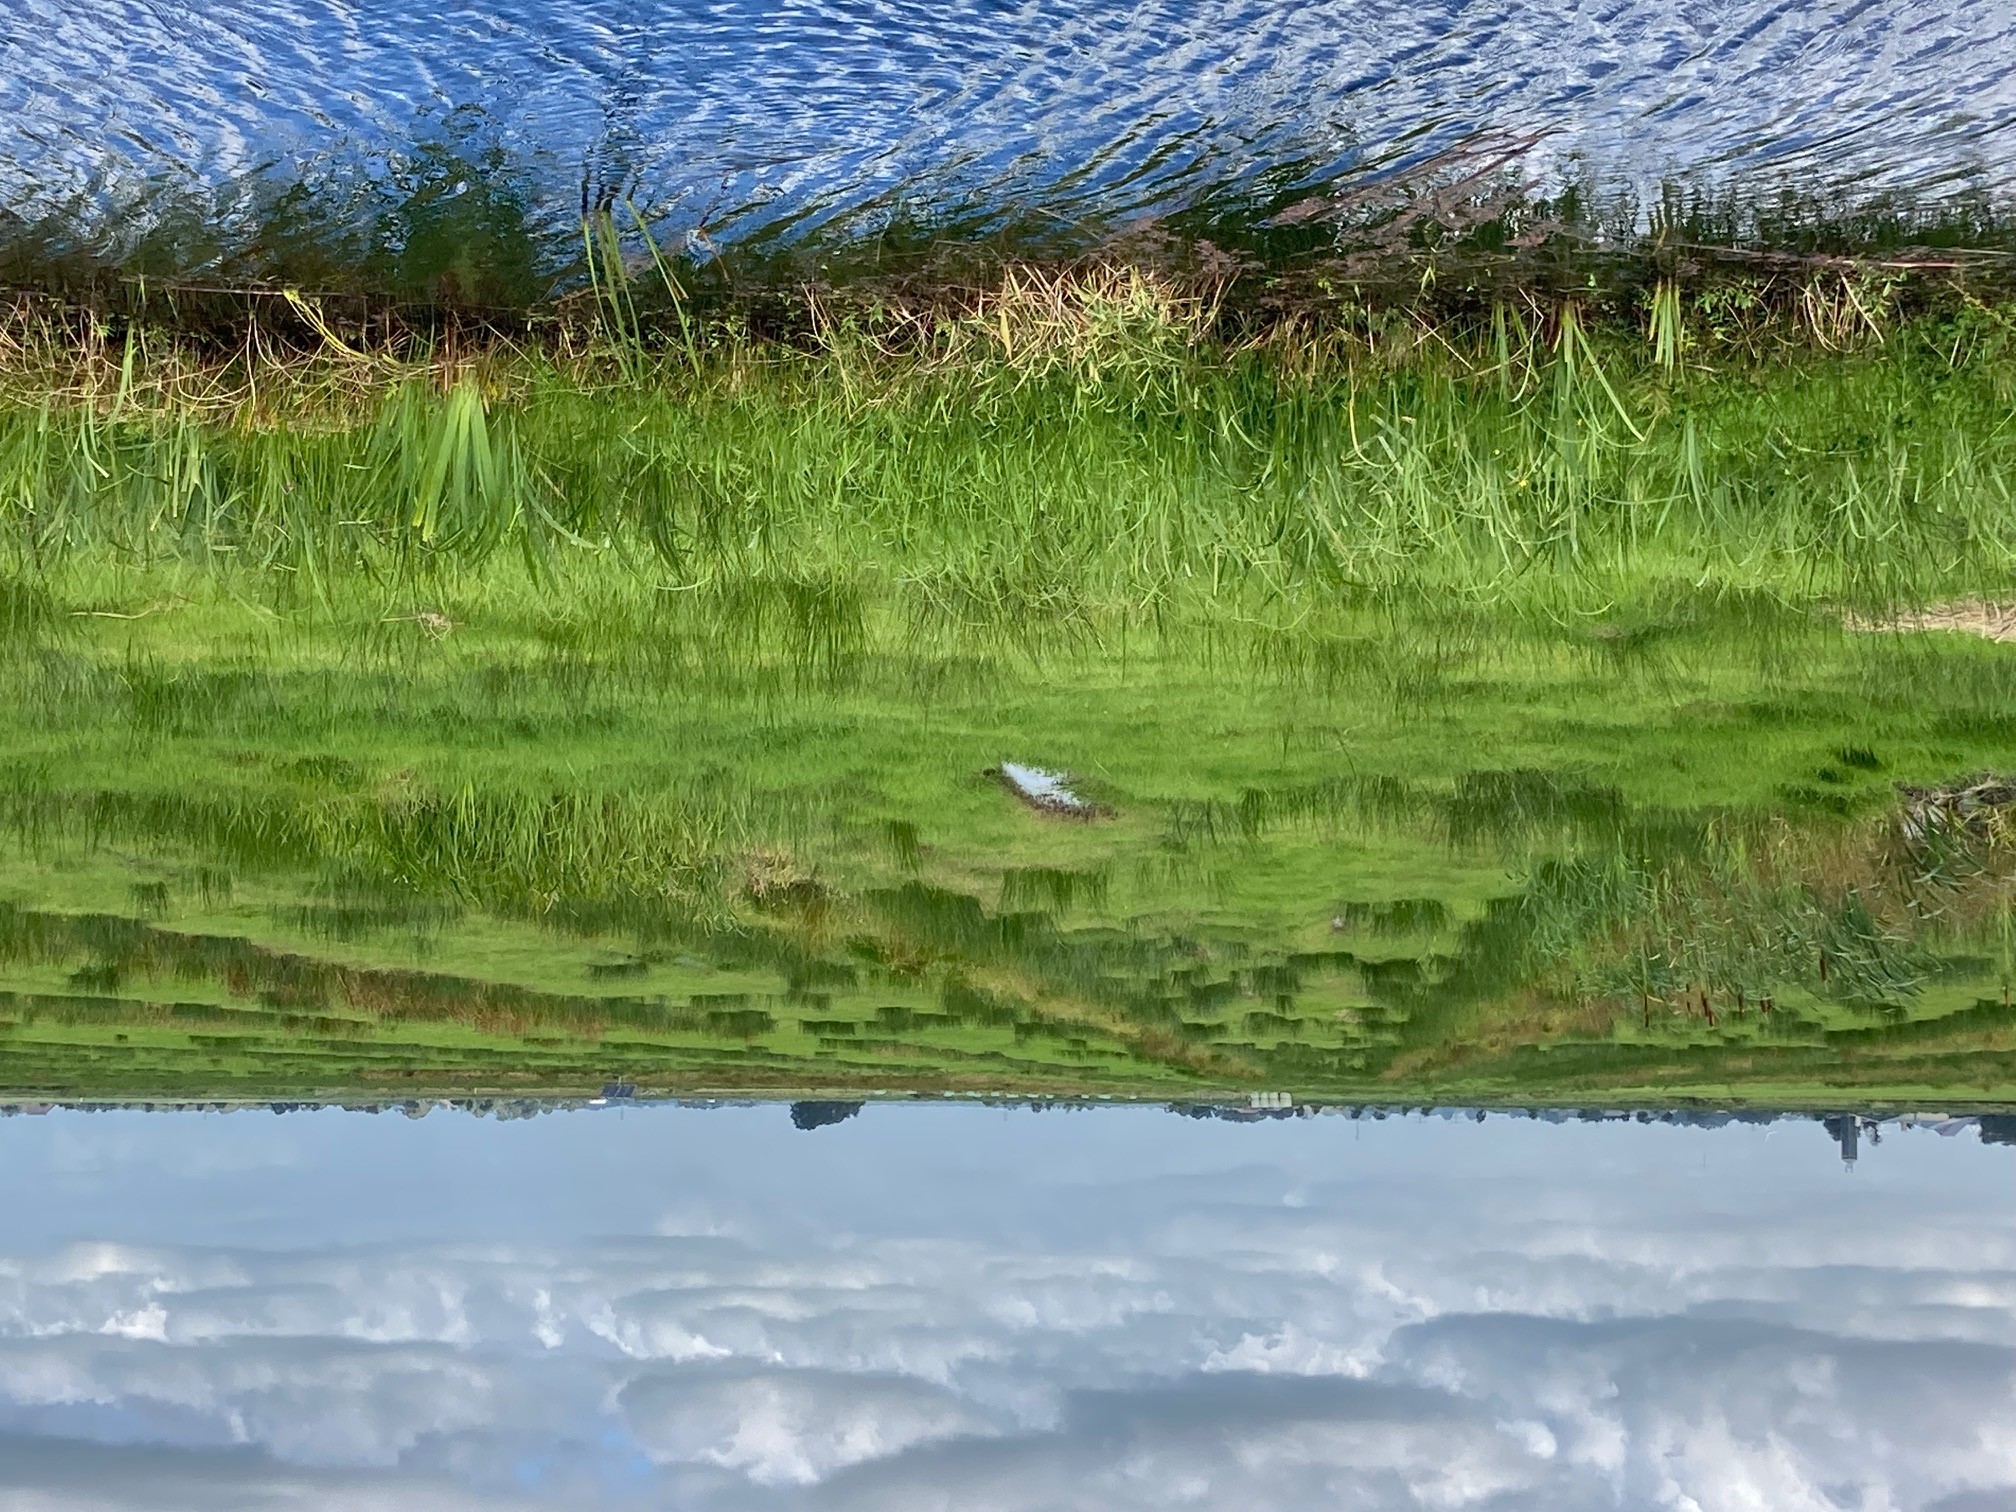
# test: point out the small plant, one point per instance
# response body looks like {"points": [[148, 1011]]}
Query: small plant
{"points": [[1663, 325]]}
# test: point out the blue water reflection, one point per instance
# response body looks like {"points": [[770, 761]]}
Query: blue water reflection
{"points": [[747, 115], [927, 1306]]}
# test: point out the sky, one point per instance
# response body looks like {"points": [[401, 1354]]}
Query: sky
{"points": [[931, 1307]]}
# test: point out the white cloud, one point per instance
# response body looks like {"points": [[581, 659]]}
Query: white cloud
{"points": [[1250, 1439], [788, 1426], [1580, 1340]]}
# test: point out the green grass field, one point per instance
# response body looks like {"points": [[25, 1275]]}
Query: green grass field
{"points": [[1478, 717]]}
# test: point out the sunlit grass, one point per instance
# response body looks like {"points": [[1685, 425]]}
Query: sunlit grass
{"points": [[1065, 450], [1443, 685]]}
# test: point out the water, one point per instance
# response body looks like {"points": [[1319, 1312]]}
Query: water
{"points": [[730, 120], [990, 1309]]}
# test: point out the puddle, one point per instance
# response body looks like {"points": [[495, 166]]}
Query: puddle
{"points": [[1048, 792]]}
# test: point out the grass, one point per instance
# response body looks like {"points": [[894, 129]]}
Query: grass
{"points": [[1477, 706], [153, 976], [485, 868], [1084, 456]]}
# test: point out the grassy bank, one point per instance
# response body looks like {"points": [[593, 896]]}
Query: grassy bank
{"points": [[1478, 706], [1059, 454]]}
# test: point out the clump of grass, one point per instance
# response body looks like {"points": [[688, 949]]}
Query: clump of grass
{"points": [[1092, 322], [1862, 916], [514, 849]]}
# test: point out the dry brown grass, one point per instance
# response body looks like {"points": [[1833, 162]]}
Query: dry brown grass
{"points": [[1996, 622], [292, 368], [1090, 318]]}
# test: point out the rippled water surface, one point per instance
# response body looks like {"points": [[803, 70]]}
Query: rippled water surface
{"points": [[744, 116]]}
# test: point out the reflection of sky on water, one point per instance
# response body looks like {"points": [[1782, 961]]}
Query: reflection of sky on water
{"points": [[930, 1307], [753, 114]]}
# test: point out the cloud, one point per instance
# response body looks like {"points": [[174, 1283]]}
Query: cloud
{"points": [[1250, 1439], [788, 1426], [1575, 1340], [53, 1476], [326, 1401], [1735, 1412]]}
